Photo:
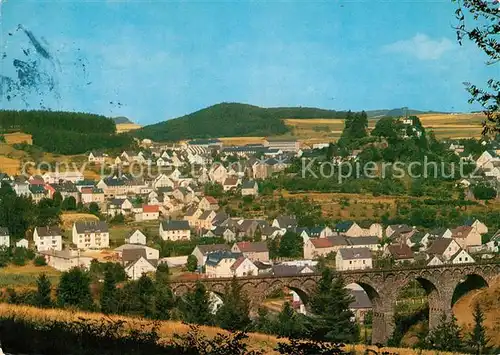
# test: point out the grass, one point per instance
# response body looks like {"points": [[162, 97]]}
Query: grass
{"points": [[166, 329], [489, 300], [68, 218], [25, 276], [18, 137], [126, 127], [444, 126]]}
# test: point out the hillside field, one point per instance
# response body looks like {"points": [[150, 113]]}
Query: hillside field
{"points": [[126, 127], [443, 125], [167, 329]]}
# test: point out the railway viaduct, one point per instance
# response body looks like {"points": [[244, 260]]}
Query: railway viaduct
{"points": [[382, 287]]}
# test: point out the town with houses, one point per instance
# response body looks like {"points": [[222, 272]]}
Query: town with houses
{"points": [[175, 202]]}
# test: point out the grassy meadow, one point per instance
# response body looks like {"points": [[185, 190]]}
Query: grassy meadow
{"points": [[167, 329]]}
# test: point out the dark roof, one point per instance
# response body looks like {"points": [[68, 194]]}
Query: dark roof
{"points": [[175, 225], [343, 226], [129, 255], [439, 246], [205, 215], [91, 227], [355, 253], [286, 221], [37, 189], [262, 266], [288, 270], [214, 259], [48, 231], [401, 228], [252, 247], [362, 240], [212, 248], [4, 231], [400, 251], [438, 232], [248, 184], [361, 300]]}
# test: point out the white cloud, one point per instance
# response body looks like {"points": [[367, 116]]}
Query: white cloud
{"points": [[421, 47]]}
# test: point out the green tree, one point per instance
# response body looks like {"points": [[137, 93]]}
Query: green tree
{"points": [[484, 192], [69, 204], [234, 314], [446, 336], [164, 301], [108, 300], [162, 273], [58, 199], [19, 256], [332, 320], [146, 291], [478, 339], [39, 260], [94, 209], [291, 245], [74, 289], [192, 263], [289, 324], [263, 324], [196, 306], [44, 287], [483, 15], [4, 256]]}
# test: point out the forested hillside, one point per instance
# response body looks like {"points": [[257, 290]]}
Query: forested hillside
{"points": [[65, 132], [231, 119]]}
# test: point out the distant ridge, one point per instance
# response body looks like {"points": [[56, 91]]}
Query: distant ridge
{"points": [[243, 120], [398, 112], [230, 120], [121, 120]]}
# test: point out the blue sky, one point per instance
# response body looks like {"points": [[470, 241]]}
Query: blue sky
{"points": [[154, 60]]}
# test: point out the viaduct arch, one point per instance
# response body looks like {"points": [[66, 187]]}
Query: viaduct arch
{"points": [[382, 287]]}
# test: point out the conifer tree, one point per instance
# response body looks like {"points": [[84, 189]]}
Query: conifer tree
{"points": [[42, 297], [332, 319], [478, 339], [234, 314], [446, 336], [74, 289], [196, 306], [108, 299]]}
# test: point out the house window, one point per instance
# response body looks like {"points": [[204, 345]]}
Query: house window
{"points": [[466, 259], [459, 259], [350, 262], [363, 261]]}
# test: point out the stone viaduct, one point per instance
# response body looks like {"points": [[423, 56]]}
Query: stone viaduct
{"points": [[382, 287]]}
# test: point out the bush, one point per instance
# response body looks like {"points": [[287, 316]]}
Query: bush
{"points": [[39, 261]]}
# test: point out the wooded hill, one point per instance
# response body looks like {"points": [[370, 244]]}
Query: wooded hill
{"points": [[230, 120], [65, 132]]}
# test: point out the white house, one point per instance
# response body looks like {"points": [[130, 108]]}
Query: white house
{"points": [[124, 252], [137, 237], [138, 267], [4, 237], [96, 157], [353, 259], [47, 238], [66, 259], [90, 235], [22, 243], [243, 266], [175, 230], [447, 250]]}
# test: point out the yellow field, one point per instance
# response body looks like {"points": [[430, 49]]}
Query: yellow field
{"points": [[25, 276], [489, 300], [9, 166], [166, 329], [69, 218], [229, 141], [443, 125], [126, 127], [18, 137]]}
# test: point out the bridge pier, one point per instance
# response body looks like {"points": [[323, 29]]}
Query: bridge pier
{"points": [[439, 304], [383, 326]]}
